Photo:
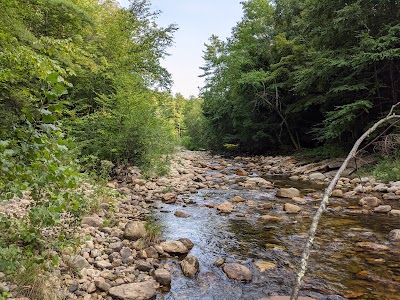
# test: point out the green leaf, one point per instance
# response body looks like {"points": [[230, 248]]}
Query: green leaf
{"points": [[53, 77]]}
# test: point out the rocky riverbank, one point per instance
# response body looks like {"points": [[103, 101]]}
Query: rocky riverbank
{"points": [[120, 256]]}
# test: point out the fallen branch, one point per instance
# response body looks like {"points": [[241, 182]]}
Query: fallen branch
{"points": [[325, 201]]}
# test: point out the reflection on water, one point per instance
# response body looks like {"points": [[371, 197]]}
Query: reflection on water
{"points": [[337, 266]]}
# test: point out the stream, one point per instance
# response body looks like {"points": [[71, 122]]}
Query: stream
{"points": [[339, 268]]}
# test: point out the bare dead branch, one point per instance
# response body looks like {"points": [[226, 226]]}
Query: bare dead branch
{"points": [[325, 201]]}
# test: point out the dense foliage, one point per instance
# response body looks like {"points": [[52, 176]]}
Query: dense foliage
{"points": [[79, 80], [302, 73]]}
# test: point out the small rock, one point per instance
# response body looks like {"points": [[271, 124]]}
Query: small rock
{"points": [[286, 298], [370, 202], [79, 262], [237, 199], [395, 212], [394, 235], [226, 207], [103, 264], [391, 196], [383, 208], [134, 291], [73, 287], [291, 208], [102, 284], [372, 246], [181, 214], [134, 230], [188, 243], [337, 193], [288, 193], [144, 266], [317, 176], [219, 262], [169, 198], [264, 265], [299, 200], [241, 172], [91, 288], [237, 272], [162, 276], [190, 265], [270, 218], [92, 221], [174, 247]]}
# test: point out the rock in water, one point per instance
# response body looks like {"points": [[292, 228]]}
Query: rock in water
{"points": [[162, 276], [174, 247], [370, 202], [226, 207], [291, 208], [288, 193], [190, 265], [181, 214], [394, 235], [134, 291], [237, 272], [134, 230]]}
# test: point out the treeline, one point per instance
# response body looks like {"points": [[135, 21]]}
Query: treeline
{"points": [[302, 73], [81, 89]]}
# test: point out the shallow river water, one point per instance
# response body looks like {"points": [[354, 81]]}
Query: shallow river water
{"points": [[339, 268]]}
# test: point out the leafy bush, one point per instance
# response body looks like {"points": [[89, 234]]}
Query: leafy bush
{"points": [[387, 169]]}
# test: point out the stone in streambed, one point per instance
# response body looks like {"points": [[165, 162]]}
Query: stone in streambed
{"points": [[270, 218], [237, 199], [264, 265], [395, 212], [190, 265], [226, 207], [237, 272], [394, 235], [134, 230], [369, 202], [286, 298], [188, 243], [174, 247], [162, 276], [181, 214], [291, 208], [288, 193], [383, 209], [134, 291]]}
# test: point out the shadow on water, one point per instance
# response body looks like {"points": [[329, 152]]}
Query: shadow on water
{"points": [[338, 266]]}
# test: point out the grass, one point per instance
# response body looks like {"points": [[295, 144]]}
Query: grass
{"points": [[386, 169], [322, 152]]}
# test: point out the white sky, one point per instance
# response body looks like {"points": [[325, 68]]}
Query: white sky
{"points": [[197, 21]]}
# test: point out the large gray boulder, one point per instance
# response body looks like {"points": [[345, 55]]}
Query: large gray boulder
{"points": [[134, 291], [174, 247]]}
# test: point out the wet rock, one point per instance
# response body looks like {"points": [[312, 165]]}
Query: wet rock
{"points": [[337, 193], [383, 209], [181, 214], [291, 208], [294, 178], [190, 265], [372, 246], [299, 200], [264, 265], [226, 207], [93, 221], [394, 235], [258, 181], [188, 243], [219, 262], [134, 230], [162, 276], [134, 291], [395, 212], [370, 202], [174, 247], [317, 176], [237, 199], [241, 172], [288, 193], [237, 272], [270, 218]]}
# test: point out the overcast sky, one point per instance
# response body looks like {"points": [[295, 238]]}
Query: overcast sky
{"points": [[197, 21]]}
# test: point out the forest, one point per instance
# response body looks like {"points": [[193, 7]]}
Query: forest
{"points": [[83, 91]]}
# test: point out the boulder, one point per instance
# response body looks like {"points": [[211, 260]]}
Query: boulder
{"points": [[134, 230], [383, 209], [181, 214], [394, 235], [237, 272], [226, 207], [188, 243], [169, 198], [174, 247], [162, 276], [317, 176], [237, 199], [337, 193], [370, 202], [395, 212], [134, 291], [93, 221], [241, 172], [291, 208], [190, 265], [288, 192]]}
